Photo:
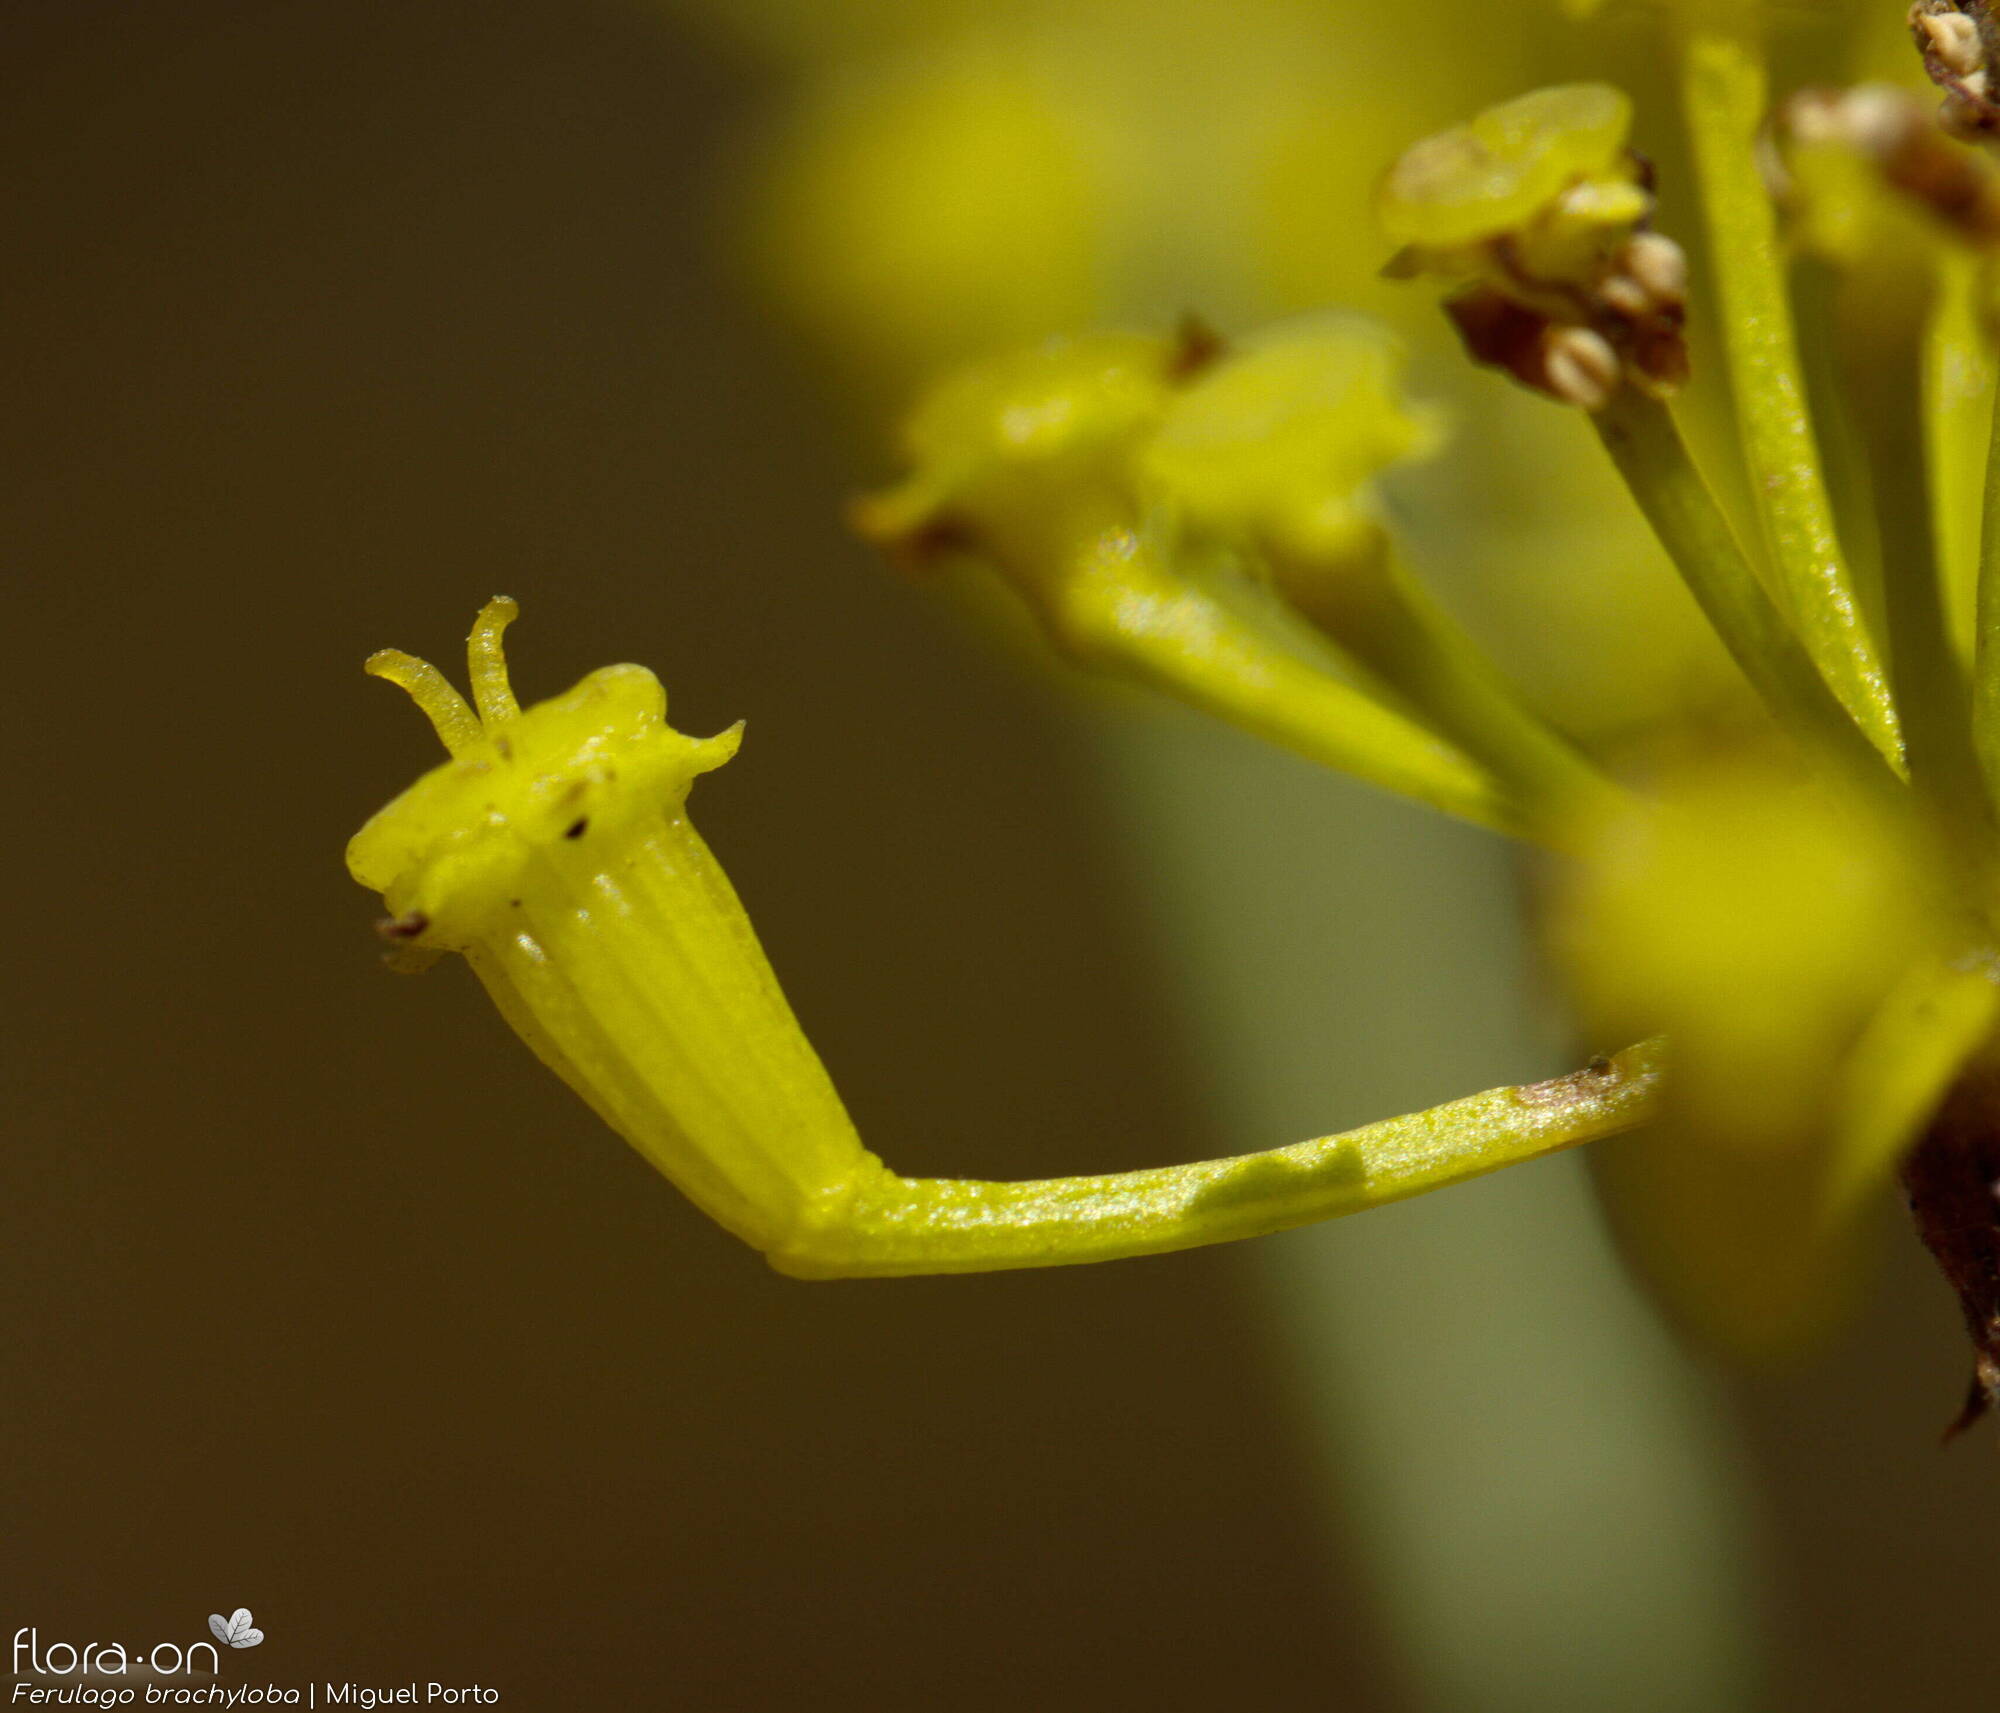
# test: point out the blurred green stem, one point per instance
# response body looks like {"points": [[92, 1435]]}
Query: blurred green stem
{"points": [[1526, 1462], [1958, 409], [1986, 627], [1891, 307], [1381, 615]]}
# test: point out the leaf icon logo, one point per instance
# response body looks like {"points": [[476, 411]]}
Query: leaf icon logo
{"points": [[236, 1629]]}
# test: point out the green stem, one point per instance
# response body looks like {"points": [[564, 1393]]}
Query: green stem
{"points": [[1385, 618], [1724, 93], [1119, 609], [1644, 443]]}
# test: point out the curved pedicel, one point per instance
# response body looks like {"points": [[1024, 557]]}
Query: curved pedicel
{"points": [[554, 852]]}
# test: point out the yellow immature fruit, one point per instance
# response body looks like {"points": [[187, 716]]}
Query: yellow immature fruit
{"points": [[1109, 479], [1506, 167], [1280, 443], [1034, 465], [1273, 454], [454, 850], [554, 851], [1059, 401], [1025, 456]]}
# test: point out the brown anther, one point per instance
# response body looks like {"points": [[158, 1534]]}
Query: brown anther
{"points": [[1958, 42], [1951, 36], [1580, 367], [1626, 295], [1658, 264], [399, 929]]}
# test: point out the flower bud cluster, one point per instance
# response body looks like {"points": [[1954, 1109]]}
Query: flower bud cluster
{"points": [[1539, 216]]}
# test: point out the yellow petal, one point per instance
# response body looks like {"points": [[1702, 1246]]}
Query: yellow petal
{"points": [[1505, 166]]}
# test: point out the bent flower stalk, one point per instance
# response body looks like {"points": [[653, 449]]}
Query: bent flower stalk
{"points": [[554, 851], [1792, 912]]}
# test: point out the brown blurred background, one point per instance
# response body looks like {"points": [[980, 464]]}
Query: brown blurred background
{"points": [[323, 322]]}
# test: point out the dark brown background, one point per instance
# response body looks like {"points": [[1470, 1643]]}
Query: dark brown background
{"points": [[322, 322]]}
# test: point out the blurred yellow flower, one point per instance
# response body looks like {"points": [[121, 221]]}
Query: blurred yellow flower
{"points": [[1759, 920]]}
